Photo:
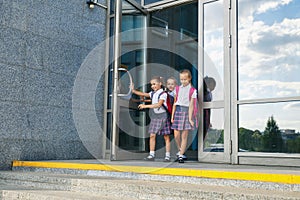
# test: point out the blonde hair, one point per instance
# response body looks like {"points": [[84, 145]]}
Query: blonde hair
{"points": [[172, 78], [186, 71]]}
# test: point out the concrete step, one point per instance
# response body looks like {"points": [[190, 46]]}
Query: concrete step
{"points": [[12, 192], [29, 194], [41, 185]]}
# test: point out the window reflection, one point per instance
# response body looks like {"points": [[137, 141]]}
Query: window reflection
{"points": [[273, 127], [214, 140], [151, 1], [213, 119], [213, 45], [108, 131], [268, 49], [132, 23]]}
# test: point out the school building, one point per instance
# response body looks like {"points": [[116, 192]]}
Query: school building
{"points": [[66, 68]]}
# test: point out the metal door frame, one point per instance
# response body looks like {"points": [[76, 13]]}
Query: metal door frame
{"points": [[210, 157], [116, 64], [254, 158], [217, 157]]}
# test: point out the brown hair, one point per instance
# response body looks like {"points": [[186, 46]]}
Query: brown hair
{"points": [[158, 79]]}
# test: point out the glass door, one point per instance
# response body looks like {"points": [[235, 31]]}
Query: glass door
{"points": [[161, 43], [168, 45], [126, 124], [215, 134], [176, 49]]}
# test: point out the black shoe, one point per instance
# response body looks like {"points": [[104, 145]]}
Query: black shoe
{"points": [[180, 160], [149, 158], [183, 156]]}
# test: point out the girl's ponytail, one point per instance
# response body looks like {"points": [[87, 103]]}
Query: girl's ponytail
{"points": [[161, 80]]}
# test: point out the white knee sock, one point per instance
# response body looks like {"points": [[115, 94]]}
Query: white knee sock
{"points": [[152, 153]]}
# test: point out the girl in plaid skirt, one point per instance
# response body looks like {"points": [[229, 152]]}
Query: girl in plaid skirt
{"points": [[159, 119], [183, 114]]}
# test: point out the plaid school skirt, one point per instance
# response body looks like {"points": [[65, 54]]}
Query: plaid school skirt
{"points": [[181, 119], [160, 125]]}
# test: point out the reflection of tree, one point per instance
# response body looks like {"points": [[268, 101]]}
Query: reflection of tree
{"points": [[221, 138], [257, 140], [214, 136], [293, 146], [272, 140], [245, 140], [249, 140]]}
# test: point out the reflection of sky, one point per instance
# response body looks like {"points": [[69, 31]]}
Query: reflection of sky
{"points": [[290, 11], [213, 46], [269, 48], [285, 114], [269, 58]]}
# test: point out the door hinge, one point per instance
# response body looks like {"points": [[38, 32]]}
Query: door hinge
{"points": [[229, 4], [229, 41]]}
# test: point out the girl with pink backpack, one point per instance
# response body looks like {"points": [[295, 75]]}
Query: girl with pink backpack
{"points": [[184, 114]]}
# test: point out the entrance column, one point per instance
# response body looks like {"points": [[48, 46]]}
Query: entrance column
{"points": [[117, 51]]}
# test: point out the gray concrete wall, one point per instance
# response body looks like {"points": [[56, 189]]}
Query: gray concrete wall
{"points": [[42, 46]]}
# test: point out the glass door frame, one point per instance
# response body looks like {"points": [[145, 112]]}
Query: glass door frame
{"points": [[252, 158], [217, 157]]}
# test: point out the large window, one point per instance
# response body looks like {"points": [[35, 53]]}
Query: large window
{"points": [[268, 75], [269, 49]]}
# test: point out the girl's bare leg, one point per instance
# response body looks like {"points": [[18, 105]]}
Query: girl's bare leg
{"points": [[184, 137], [177, 138], [167, 141], [152, 141]]}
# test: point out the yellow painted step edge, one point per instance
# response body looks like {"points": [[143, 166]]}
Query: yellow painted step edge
{"points": [[248, 176]]}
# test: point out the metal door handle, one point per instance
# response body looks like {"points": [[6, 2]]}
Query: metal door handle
{"points": [[130, 79]]}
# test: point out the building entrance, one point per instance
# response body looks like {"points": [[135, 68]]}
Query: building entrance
{"points": [[161, 43], [247, 109]]}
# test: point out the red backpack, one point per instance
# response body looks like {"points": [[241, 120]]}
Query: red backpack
{"points": [[169, 102]]}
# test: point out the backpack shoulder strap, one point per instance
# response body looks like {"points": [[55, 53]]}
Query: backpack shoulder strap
{"points": [[163, 103], [192, 90], [177, 91], [152, 94], [161, 94]]}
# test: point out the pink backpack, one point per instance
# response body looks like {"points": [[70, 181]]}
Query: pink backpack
{"points": [[190, 97]]}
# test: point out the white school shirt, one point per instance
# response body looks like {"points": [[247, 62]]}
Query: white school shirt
{"points": [[155, 100], [183, 96]]}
